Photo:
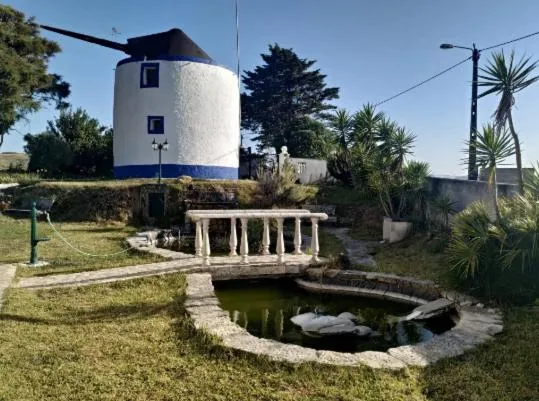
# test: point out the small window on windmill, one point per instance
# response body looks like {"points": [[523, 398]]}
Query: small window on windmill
{"points": [[149, 75], [156, 125]]}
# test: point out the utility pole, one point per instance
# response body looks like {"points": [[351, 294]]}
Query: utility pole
{"points": [[472, 151]]}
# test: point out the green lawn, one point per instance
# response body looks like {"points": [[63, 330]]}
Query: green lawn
{"points": [[90, 237], [132, 341], [417, 257]]}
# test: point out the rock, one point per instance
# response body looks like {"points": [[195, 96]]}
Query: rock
{"points": [[321, 322], [431, 309], [347, 315], [342, 328], [362, 331], [300, 320]]}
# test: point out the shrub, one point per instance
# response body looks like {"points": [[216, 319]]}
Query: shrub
{"points": [[279, 188], [340, 167], [498, 259]]}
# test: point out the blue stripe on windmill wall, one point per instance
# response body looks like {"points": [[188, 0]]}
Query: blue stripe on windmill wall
{"points": [[175, 170]]}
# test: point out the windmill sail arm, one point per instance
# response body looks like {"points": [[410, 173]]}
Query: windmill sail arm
{"points": [[87, 38]]}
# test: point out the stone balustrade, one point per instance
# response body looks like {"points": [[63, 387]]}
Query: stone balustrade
{"points": [[202, 235]]}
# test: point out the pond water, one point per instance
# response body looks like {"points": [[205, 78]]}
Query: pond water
{"points": [[265, 307]]}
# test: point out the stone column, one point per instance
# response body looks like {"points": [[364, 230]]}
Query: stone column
{"points": [[280, 240], [314, 240], [297, 237], [266, 237], [206, 242], [198, 238], [244, 245], [233, 237]]}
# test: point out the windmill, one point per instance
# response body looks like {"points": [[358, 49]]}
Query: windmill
{"points": [[169, 88]]}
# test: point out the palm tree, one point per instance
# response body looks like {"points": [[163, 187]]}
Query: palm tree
{"points": [[366, 123], [493, 146], [505, 78], [342, 124]]}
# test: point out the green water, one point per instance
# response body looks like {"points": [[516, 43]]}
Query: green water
{"points": [[265, 307]]}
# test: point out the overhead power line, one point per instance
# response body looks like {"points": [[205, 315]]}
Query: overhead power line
{"points": [[511, 41], [454, 66], [423, 82]]}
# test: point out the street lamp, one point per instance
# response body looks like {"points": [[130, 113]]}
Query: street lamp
{"points": [[160, 147], [472, 155]]}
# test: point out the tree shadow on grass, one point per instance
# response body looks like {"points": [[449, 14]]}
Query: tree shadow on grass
{"points": [[108, 314]]}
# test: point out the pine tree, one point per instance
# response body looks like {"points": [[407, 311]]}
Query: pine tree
{"points": [[280, 94]]}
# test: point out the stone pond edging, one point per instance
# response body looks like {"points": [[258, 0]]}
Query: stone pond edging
{"points": [[476, 326]]}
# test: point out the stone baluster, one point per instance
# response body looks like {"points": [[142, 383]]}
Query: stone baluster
{"points": [[266, 237], [233, 237], [297, 237], [244, 244], [206, 242], [280, 240], [314, 240], [198, 238]]}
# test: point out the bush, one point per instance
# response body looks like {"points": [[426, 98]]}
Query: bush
{"points": [[279, 189], [340, 166], [498, 259]]}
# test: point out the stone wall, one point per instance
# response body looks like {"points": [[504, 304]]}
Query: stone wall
{"points": [[506, 175], [464, 192]]}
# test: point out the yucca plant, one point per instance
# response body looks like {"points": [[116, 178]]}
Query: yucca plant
{"points": [[443, 207], [498, 259], [366, 125], [531, 180], [340, 166], [341, 124], [493, 146], [505, 78]]}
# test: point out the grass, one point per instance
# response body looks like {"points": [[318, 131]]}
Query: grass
{"points": [[20, 178], [417, 257], [13, 160], [90, 237], [132, 341], [341, 195]]}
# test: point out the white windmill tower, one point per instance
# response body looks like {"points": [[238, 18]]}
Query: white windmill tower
{"points": [[169, 88]]}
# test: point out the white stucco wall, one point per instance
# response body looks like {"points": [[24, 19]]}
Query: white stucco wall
{"points": [[200, 105]]}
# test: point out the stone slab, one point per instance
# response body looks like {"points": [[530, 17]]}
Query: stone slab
{"points": [[7, 273]]}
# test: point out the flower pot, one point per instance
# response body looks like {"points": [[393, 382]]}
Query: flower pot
{"points": [[399, 230], [386, 228]]}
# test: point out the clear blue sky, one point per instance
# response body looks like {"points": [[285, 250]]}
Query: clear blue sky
{"points": [[370, 49]]}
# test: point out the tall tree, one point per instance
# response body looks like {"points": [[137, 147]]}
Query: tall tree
{"points": [[25, 82], [505, 78], [280, 92]]}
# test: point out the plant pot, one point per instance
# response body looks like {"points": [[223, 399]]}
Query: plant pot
{"points": [[386, 228], [399, 230]]}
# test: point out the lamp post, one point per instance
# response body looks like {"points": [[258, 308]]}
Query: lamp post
{"points": [[160, 147], [472, 155]]}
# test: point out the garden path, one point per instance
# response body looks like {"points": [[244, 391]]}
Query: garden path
{"points": [[357, 251]]}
